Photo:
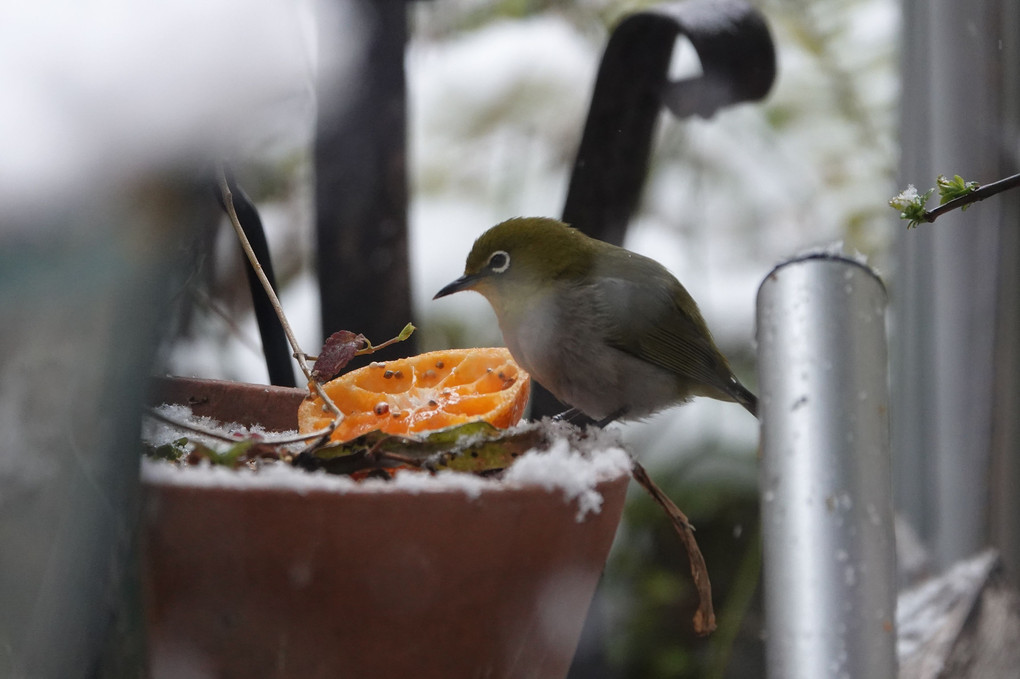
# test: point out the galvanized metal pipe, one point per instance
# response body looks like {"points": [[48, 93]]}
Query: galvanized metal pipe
{"points": [[829, 549]]}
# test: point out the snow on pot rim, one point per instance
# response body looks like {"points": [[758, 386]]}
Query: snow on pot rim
{"points": [[574, 468]]}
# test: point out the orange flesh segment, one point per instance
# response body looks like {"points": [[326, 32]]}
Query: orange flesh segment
{"points": [[429, 391]]}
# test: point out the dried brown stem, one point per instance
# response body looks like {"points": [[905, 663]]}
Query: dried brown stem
{"points": [[228, 201], [704, 617]]}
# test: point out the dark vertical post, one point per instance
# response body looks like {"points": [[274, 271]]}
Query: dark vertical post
{"points": [[913, 380], [1005, 443], [738, 64], [612, 161], [361, 184]]}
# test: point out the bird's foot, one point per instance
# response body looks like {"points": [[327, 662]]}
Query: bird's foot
{"points": [[601, 424], [571, 415], [575, 416]]}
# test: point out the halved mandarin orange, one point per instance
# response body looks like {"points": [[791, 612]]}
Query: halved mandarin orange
{"points": [[422, 393]]}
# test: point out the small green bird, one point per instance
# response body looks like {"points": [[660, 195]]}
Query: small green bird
{"points": [[607, 331]]}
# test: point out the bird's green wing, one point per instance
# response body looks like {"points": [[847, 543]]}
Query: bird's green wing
{"points": [[658, 322]]}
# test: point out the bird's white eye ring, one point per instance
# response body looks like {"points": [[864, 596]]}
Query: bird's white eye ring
{"points": [[499, 261]]}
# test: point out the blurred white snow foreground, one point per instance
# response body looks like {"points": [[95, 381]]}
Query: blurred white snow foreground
{"points": [[95, 92]]}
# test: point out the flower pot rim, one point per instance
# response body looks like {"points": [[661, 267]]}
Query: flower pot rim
{"points": [[571, 467], [576, 475]]}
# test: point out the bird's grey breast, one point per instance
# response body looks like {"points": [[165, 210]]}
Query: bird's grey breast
{"points": [[561, 339]]}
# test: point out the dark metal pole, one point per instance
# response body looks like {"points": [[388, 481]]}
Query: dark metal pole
{"points": [[361, 184]]}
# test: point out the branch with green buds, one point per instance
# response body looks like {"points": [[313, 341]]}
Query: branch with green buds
{"points": [[953, 193]]}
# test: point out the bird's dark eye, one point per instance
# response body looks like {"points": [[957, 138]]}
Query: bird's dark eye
{"points": [[499, 261]]}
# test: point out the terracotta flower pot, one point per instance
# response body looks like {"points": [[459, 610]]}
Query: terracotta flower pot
{"points": [[291, 574]]}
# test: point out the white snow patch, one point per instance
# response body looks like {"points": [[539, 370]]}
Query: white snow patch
{"points": [[575, 472], [924, 611], [158, 433], [574, 464], [905, 198], [285, 477]]}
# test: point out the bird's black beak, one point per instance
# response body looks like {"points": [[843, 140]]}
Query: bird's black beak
{"points": [[463, 283]]}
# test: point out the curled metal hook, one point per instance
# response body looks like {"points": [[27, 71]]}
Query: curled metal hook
{"points": [[738, 64]]}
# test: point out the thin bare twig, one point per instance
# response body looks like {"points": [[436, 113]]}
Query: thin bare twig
{"points": [[221, 436], [228, 201], [704, 617], [190, 426], [372, 348]]}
